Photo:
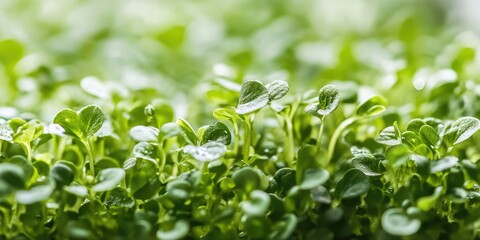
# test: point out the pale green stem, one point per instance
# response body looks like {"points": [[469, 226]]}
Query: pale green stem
{"points": [[247, 136], [289, 145], [61, 148], [320, 134], [91, 158], [331, 147], [235, 133]]}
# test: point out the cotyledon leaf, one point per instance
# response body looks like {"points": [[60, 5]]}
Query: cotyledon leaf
{"points": [[253, 96], [277, 89]]}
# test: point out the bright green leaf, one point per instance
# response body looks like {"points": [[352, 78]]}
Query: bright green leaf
{"points": [[218, 132], [462, 129], [92, 118]]}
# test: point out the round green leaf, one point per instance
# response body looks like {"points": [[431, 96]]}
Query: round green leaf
{"points": [[145, 150], [108, 179], [71, 122], [353, 184], [462, 129], [179, 231], [227, 113], [411, 139], [277, 89], [218, 132], [389, 136], [396, 222], [253, 96], [144, 134], [313, 178], [208, 152], [429, 136], [247, 179], [328, 100], [119, 198], [257, 205], [366, 163], [371, 107], [92, 118], [397, 155]]}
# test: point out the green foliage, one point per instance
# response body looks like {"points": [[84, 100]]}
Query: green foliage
{"points": [[358, 128]]}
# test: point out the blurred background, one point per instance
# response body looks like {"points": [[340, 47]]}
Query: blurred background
{"points": [[56, 54]]}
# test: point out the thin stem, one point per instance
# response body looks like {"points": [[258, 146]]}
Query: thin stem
{"points": [[91, 160], [235, 133], [320, 134], [247, 136], [289, 145], [60, 148], [331, 147]]}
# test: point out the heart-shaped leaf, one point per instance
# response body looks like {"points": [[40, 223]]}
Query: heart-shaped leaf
{"points": [[253, 96], [108, 179], [397, 223], [353, 184], [218, 132], [208, 152], [277, 89], [462, 129], [82, 124]]}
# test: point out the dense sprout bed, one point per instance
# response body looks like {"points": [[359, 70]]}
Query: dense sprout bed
{"points": [[271, 122]]}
